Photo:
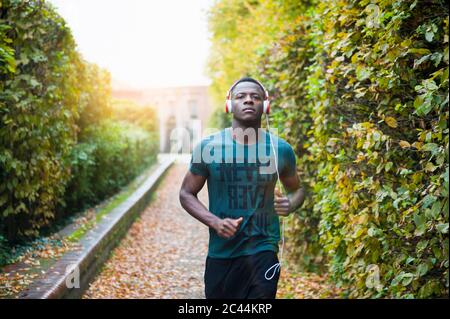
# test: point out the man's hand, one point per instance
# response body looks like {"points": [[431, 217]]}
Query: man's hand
{"points": [[227, 227], [282, 206], [285, 205]]}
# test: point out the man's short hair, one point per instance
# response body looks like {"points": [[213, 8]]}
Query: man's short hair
{"points": [[248, 79]]}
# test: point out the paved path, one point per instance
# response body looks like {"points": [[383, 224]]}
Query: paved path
{"points": [[163, 254]]}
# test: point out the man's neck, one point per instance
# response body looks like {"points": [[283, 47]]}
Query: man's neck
{"points": [[237, 126]]}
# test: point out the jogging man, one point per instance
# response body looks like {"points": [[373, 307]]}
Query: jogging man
{"points": [[239, 163]]}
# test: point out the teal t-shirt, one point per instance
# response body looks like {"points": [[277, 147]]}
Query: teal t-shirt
{"points": [[241, 181]]}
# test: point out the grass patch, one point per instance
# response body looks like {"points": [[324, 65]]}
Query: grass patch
{"points": [[113, 203]]}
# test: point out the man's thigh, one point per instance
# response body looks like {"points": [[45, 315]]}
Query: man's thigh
{"points": [[216, 272], [242, 277], [262, 264]]}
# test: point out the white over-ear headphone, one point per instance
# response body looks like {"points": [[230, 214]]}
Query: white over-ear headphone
{"points": [[229, 104]]}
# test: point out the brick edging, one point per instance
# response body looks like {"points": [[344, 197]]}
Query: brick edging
{"points": [[96, 245]]}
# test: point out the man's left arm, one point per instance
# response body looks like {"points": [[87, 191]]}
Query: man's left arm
{"points": [[295, 192], [295, 196]]}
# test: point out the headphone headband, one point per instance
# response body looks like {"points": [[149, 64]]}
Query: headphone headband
{"points": [[266, 93]]}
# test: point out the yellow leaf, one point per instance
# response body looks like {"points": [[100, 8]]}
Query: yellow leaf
{"points": [[354, 203], [417, 145], [360, 157], [391, 121], [363, 219], [430, 167], [404, 144]]}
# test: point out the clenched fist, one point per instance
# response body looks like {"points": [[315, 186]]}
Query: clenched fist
{"points": [[282, 204], [227, 227]]}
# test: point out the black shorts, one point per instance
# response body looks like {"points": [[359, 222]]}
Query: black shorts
{"points": [[241, 277]]}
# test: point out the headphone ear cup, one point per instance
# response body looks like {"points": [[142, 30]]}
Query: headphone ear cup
{"points": [[266, 106], [228, 106]]}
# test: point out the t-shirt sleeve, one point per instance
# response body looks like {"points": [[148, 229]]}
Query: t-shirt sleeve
{"points": [[197, 165], [289, 163]]}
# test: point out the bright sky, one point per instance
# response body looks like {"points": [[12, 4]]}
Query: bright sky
{"points": [[143, 43]]}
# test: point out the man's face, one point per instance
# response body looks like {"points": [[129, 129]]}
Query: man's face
{"points": [[247, 99]]}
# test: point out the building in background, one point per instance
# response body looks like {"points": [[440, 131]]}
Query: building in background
{"points": [[179, 108]]}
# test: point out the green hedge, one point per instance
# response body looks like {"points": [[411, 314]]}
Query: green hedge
{"points": [[39, 97], [60, 150], [113, 154], [361, 92]]}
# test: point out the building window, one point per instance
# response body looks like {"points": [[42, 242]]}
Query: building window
{"points": [[193, 108]]}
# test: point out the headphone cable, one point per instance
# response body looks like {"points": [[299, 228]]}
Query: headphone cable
{"points": [[276, 267]]}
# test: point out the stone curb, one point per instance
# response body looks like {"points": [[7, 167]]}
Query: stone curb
{"points": [[96, 246]]}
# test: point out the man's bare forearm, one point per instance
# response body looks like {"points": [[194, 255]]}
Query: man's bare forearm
{"points": [[296, 198], [196, 209]]}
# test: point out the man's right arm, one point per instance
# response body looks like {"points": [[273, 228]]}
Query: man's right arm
{"points": [[190, 187]]}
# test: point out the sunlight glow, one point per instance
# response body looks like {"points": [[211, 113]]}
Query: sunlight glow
{"points": [[143, 43]]}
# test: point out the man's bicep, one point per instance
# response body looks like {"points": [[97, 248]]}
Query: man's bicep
{"points": [[288, 175], [289, 168], [193, 183], [198, 169], [290, 183], [197, 166]]}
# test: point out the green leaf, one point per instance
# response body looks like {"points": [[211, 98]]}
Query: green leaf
{"points": [[428, 200], [362, 73], [442, 228], [407, 279], [427, 289], [418, 101], [430, 147], [421, 60], [388, 166], [419, 51], [422, 105], [3, 199], [430, 85], [34, 83], [436, 209], [409, 260], [421, 245], [422, 269], [404, 277], [419, 220]]}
